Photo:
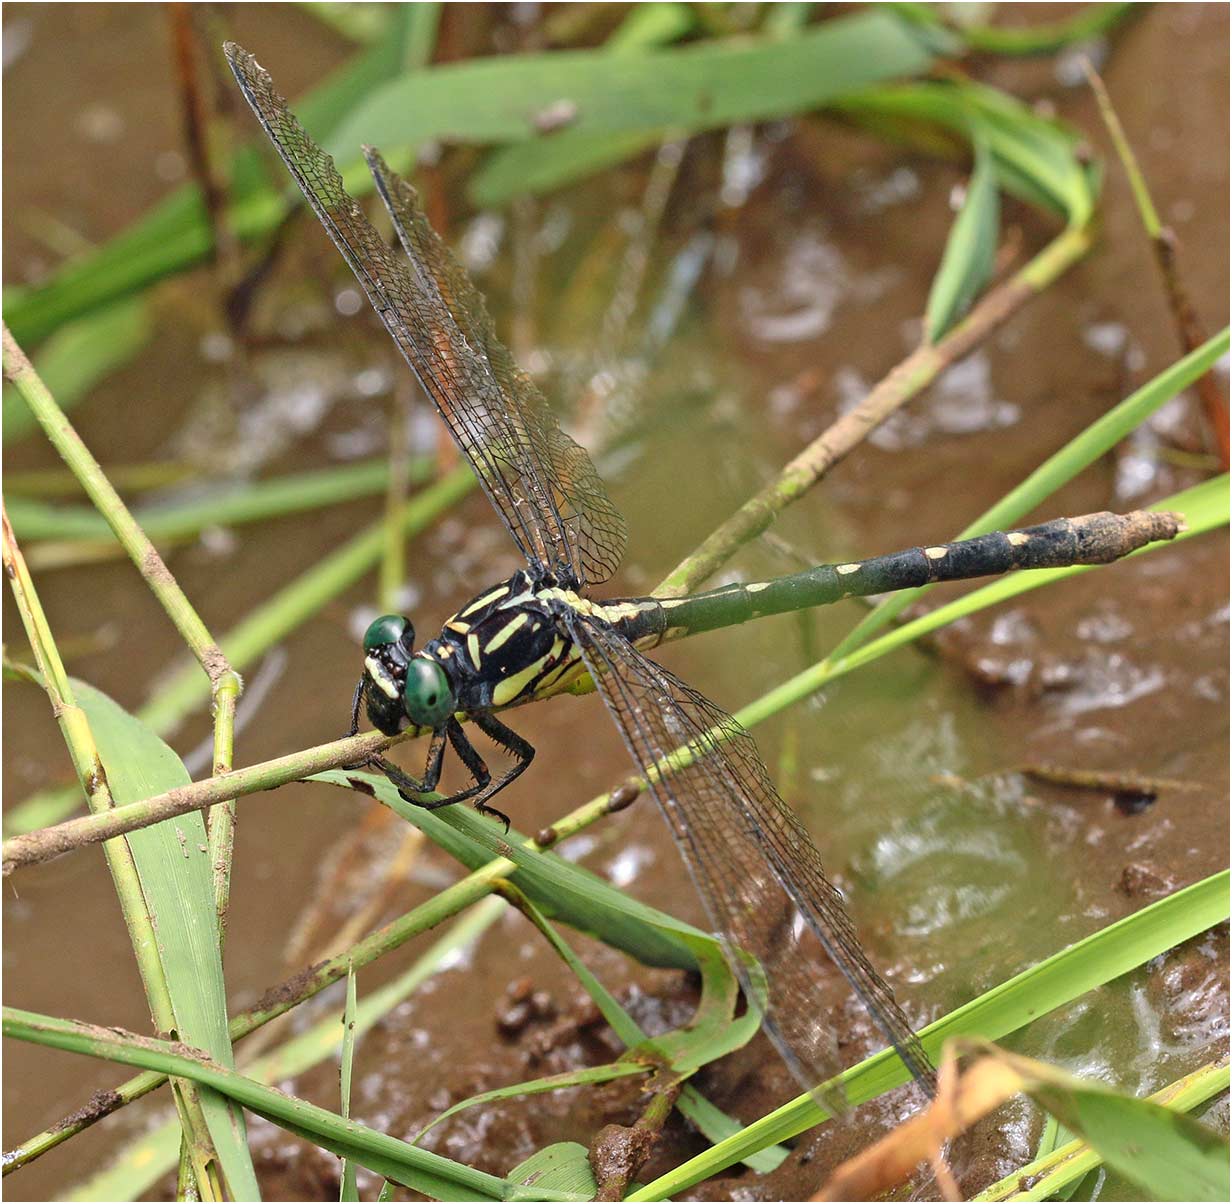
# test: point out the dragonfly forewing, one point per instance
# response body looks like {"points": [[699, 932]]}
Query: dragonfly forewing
{"points": [[541, 482]]}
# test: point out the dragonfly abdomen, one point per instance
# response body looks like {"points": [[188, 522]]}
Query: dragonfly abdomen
{"points": [[1091, 539]]}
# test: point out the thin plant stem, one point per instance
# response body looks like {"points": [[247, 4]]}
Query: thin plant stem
{"points": [[19, 370], [1166, 245], [118, 1046], [1045, 1177], [224, 681], [46, 843], [92, 774], [393, 557]]}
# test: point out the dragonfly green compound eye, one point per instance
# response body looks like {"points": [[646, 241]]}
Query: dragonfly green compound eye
{"points": [[388, 629], [428, 697]]}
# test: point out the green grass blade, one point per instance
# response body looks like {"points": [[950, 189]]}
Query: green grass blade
{"points": [[628, 102], [79, 356], [348, 1190], [1036, 159], [432, 1174], [1053, 983], [147, 1158], [562, 890], [173, 865], [1166, 1153], [1059, 1173], [587, 1076], [568, 892], [563, 1167], [1061, 467], [234, 504], [970, 250], [1034, 39]]}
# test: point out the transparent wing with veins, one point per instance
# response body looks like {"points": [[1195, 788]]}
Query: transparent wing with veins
{"points": [[753, 863], [541, 482]]}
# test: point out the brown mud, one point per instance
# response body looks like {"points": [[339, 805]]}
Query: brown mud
{"points": [[960, 871]]}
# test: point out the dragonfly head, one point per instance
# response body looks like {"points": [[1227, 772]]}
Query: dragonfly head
{"points": [[402, 685], [389, 644]]}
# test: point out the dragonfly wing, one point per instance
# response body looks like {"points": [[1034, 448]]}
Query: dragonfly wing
{"points": [[541, 482], [755, 867], [538, 461]]}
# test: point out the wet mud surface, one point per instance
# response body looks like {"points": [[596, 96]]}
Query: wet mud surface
{"points": [[960, 869]]}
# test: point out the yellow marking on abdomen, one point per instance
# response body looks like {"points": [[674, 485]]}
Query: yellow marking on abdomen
{"points": [[1018, 538], [757, 587], [844, 569], [937, 553], [505, 632]]}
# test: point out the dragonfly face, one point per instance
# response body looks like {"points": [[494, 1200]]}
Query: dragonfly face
{"points": [[389, 645]]}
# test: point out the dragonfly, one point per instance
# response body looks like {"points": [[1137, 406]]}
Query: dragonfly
{"points": [[755, 867]]}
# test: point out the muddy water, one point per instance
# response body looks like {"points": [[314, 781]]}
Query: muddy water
{"points": [[959, 871]]}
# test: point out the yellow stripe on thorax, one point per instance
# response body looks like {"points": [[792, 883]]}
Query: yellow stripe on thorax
{"points": [[507, 631]]}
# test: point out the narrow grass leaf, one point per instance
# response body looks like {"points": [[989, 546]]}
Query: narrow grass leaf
{"points": [[175, 234], [172, 860], [1166, 1153], [1036, 159], [559, 888], [587, 1076], [543, 163], [1053, 983], [348, 1190], [704, 85], [233, 504], [78, 357], [1063, 1173], [970, 250], [567, 892], [1037, 38], [563, 1167], [420, 1170], [143, 1161], [625, 103], [712, 1031]]}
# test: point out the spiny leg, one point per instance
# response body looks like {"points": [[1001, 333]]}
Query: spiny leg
{"points": [[506, 738], [485, 788], [470, 758], [356, 703], [408, 787]]}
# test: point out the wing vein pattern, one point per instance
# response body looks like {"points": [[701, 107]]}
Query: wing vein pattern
{"points": [[753, 863], [541, 482]]}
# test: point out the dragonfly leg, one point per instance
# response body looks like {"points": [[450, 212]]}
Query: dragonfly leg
{"points": [[356, 703], [484, 787], [524, 752], [408, 787]]}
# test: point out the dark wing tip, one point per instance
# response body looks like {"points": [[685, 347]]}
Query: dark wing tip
{"points": [[237, 56]]}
